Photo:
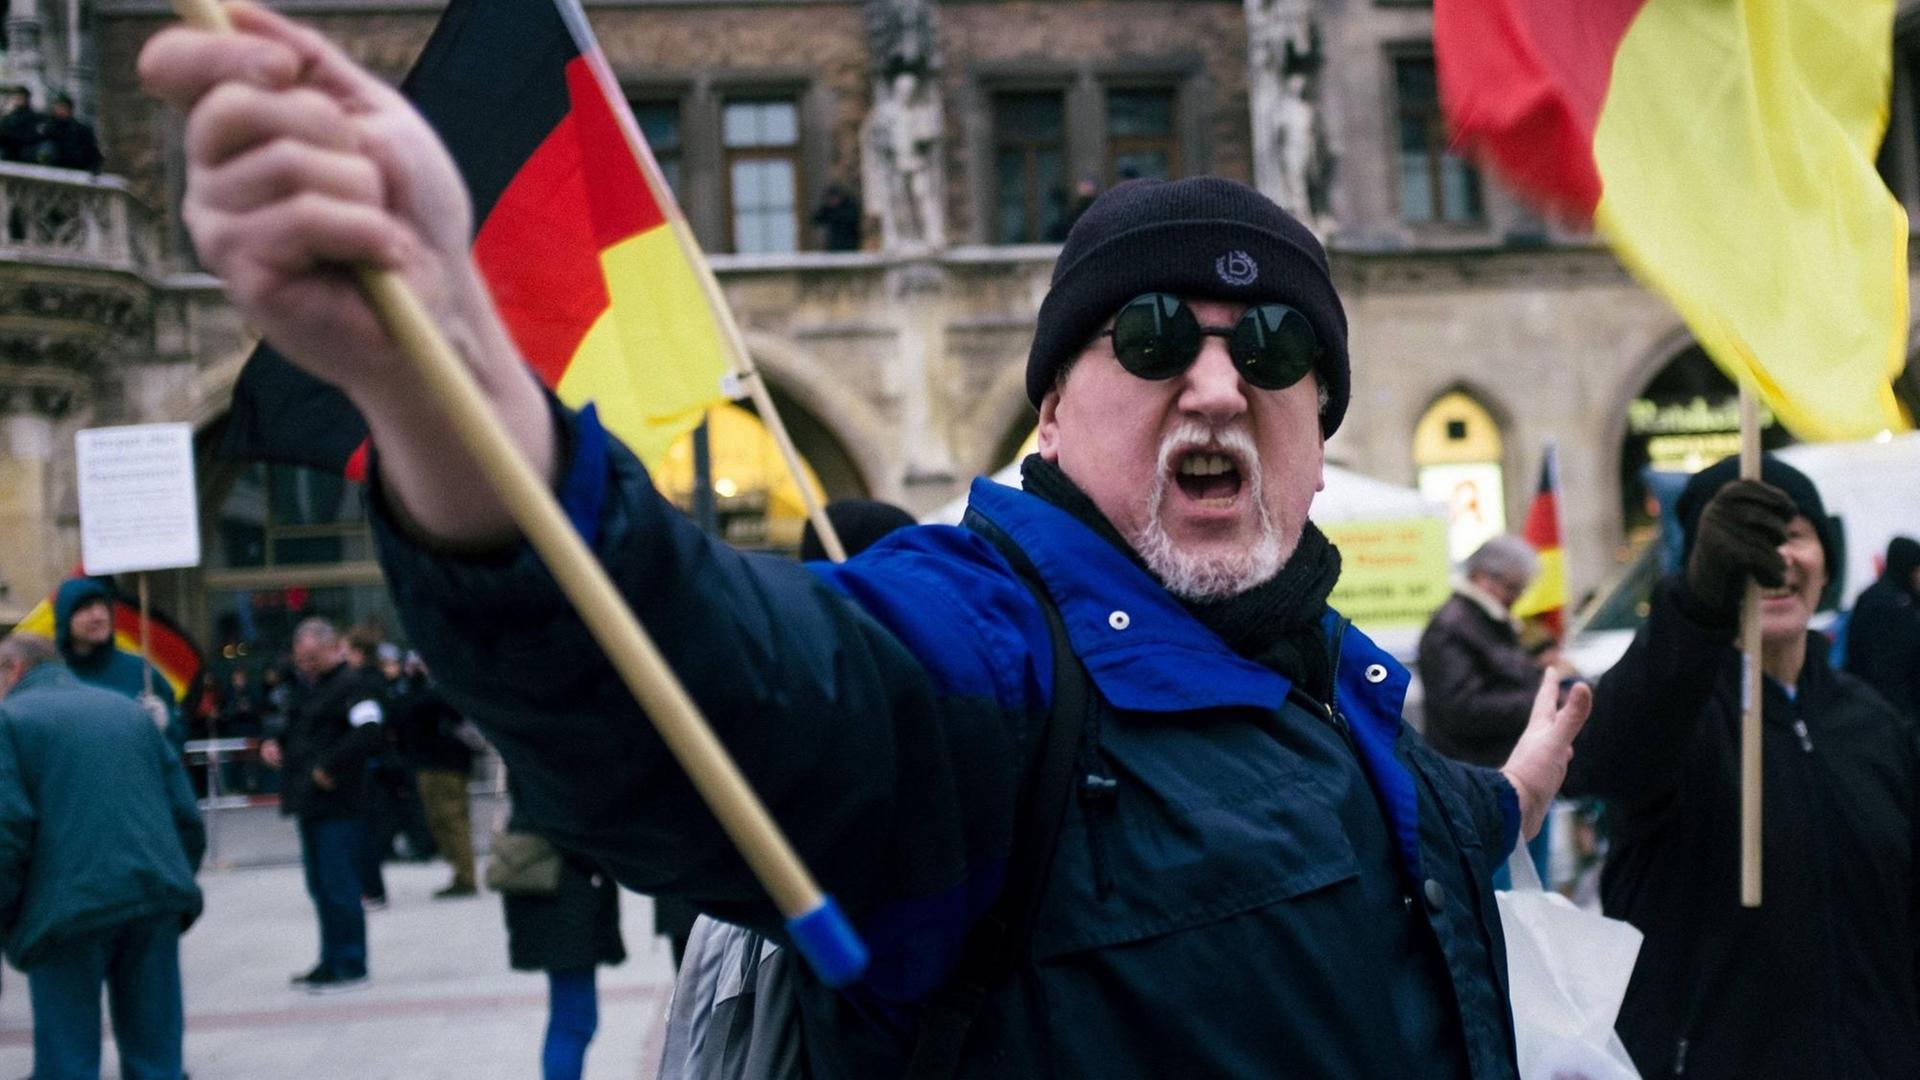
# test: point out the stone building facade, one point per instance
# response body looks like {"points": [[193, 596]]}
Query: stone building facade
{"points": [[1479, 332]]}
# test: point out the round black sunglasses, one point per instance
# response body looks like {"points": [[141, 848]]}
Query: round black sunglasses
{"points": [[1157, 336]]}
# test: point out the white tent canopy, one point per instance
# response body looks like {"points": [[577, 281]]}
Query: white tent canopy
{"points": [[1349, 496]]}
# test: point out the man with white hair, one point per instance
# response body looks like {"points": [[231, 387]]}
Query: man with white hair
{"points": [[1261, 869], [1480, 681], [333, 726]]}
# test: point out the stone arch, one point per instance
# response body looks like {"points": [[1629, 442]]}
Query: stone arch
{"points": [[213, 390], [841, 436], [1441, 473], [838, 434], [1005, 411], [1648, 363], [1672, 349]]}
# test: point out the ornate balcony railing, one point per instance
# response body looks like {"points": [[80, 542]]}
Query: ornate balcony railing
{"points": [[72, 218]]}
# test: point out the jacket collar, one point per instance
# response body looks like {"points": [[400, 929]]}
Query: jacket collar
{"points": [[1143, 649], [1146, 653], [44, 676], [1487, 603]]}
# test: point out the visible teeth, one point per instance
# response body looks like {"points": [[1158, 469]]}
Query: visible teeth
{"points": [[1205, 464]]}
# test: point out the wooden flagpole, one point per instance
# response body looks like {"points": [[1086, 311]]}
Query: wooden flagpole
{"points": [[1750, 742], [146, 642], [821, 933]]}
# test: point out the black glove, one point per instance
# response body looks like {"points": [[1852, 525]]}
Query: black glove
{"points": [[1738, 537]]}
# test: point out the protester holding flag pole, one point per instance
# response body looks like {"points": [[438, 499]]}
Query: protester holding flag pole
{"points": [[1241, 794], [1728, 159], [1726, 154]]}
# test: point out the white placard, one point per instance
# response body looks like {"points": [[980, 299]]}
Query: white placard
{"points": [[139, 509]]}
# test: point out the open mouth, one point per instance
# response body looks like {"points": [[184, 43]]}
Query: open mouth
{"points": [[1779, 593], [1209, 478]]}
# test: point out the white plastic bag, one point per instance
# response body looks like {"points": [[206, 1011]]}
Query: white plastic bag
{"points": [[1568, 971]]}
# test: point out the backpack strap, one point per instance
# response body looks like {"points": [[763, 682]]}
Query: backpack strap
{"points": [[996, 943]]}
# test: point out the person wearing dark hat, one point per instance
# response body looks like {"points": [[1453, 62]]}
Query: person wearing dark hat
{"points": [[1260, 869], [1883, 633], [1820, 979]]}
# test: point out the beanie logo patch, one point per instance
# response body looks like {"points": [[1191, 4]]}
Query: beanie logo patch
{"points": [[1237, 268]]}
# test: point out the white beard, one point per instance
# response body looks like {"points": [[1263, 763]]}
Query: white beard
{"points": [[1193, 575]]}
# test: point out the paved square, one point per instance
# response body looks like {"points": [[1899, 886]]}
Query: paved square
{"points": [[443, 1005]]}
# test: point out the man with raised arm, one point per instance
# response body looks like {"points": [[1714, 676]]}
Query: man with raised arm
{"points": [[1261, 869]]}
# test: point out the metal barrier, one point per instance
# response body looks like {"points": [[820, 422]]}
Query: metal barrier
{"points": [[221, 806]]}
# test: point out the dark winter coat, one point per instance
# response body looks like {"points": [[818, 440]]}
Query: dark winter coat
{"points": [[426, 729], [1883, 633], [333, 723], [21, 133], [107, 667], [70, 144], [577, 927], [97, 824], [1820, 980], [1248, 883], [1479, 682]]}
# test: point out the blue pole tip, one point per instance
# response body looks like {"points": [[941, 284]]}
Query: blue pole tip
{"points": [[826, 939]]}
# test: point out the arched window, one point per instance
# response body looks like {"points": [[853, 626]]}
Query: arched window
{"points": [[1457, 451], [1687, 418], [757, 501]]}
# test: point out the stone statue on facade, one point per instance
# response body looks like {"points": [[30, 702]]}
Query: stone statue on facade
{"points": [[1293, 153], [903, 140]]}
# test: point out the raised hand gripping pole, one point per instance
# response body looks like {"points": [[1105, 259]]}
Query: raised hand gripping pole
{"points": [[819, 929]]}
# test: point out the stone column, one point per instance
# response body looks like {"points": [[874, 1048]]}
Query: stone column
{"points": [[32, 551], [919, 291], [83, 75], [26, 65]]}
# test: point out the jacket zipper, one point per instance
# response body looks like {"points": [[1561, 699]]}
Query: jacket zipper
{"points": [[1806, 738]]}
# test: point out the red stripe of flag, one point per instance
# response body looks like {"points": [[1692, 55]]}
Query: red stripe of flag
{"points": [[539, 249], [1523, 82]]}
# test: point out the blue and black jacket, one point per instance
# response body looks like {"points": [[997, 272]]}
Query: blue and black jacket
{"points": [[1250, 884]]}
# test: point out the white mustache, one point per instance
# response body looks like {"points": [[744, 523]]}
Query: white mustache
{"points": [[1192, 435]]}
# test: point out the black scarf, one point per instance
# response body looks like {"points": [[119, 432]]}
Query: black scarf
{"points": [[1275, 624]]}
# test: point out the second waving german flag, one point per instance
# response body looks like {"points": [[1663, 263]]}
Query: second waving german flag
{"points": [[1725, 149], [578, 240]]}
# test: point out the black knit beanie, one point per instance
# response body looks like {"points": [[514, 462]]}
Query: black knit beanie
{"points": [[1203, 237], [1794, 483], [1903, 558], [860, 523]]}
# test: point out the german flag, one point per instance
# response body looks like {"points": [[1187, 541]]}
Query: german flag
{"points": [[174, 655], [1726, 152], [587, 257], [1546, 597]]}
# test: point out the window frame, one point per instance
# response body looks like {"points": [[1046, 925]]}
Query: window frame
{"points": [[793, 154], [638, 99], [1171, 142], [1436, 152], [998, 141]]}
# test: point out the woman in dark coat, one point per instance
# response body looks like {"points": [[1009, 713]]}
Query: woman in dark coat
{"points": [[567, 935]]}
